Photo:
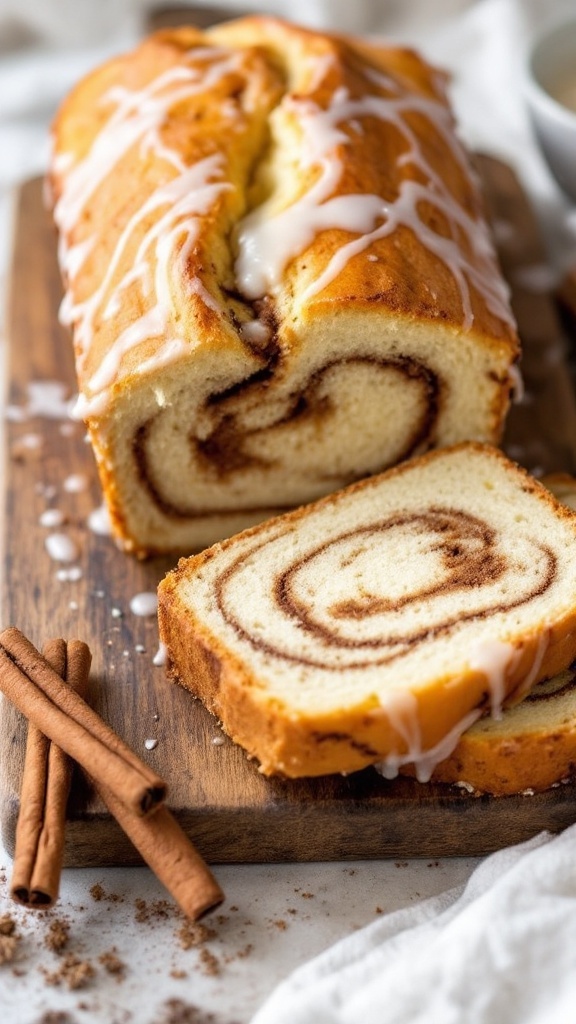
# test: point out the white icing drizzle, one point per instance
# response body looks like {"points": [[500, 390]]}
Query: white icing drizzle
{"points": [[425, 761], [144, 604], [532, 676], [61, 548], [162, 254], [267, 242], [493, 658]]}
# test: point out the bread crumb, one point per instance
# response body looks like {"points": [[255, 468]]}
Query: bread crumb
{"points": [[307, 895], [178, 974]]}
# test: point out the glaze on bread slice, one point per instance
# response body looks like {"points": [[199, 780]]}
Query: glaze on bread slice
{"points": [[531, 747], [278, 274], [378, 624]]}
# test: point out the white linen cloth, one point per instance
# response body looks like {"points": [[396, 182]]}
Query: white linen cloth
{"points": [[499, 950]]}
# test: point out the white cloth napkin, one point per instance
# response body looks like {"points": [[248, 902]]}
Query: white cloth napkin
{"points": [[501, 950]]}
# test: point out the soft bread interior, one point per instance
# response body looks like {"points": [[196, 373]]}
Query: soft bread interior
{"points": [[390, 610]]}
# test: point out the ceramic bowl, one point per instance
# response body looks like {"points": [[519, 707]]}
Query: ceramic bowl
{"points": [[551, 99]]}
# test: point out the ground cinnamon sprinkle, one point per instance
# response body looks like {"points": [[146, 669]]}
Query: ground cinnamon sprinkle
{"points": [[178, 1012], [7, 925], [112, 963], [73, 973], [190, 934], [8, 944], [157, 909], [55, 1017], [209, 963], [98, 893], [58, 935]]}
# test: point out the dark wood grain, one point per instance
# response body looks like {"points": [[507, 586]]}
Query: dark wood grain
{"points": [[226, 806]]}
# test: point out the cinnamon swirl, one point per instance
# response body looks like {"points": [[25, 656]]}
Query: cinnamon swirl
{"points": [[378, 624], [278, 274]]}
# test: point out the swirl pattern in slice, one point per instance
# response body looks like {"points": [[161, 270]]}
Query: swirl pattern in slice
{"points": [[371, 626]]}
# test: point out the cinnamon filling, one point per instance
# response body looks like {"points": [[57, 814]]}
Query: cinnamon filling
{"points": [[468, 557], [231, 445]]}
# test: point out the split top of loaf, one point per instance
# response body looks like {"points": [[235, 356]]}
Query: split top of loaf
{"points": [[379, 623], [278, 274]]}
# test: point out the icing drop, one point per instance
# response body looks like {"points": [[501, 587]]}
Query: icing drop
{"points": [[161, 655], [99, 521], [52, 517], [75, 483], [61, 548], [144, 604]]}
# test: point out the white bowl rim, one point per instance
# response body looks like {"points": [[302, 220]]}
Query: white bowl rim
{"points": [[533, 84]]}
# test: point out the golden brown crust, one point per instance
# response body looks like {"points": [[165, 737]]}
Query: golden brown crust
{"points": [[397, 282]]}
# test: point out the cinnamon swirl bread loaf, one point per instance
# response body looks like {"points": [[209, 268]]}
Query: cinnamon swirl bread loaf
{"points": [[277, 271], [379, 623]]}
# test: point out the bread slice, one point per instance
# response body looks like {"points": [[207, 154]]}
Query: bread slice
{"points": [[377, 624], [530, 748], [533, 745], [278, 274]]}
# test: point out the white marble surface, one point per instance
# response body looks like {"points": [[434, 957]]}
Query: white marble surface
{"points": [[275, 916]]}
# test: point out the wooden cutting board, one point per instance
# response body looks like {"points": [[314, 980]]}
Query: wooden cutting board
{"points": [[231, 811]]}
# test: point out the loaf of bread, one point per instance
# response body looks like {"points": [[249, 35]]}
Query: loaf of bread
{"points": [[532, 745], [278, 274], [378, 624]]}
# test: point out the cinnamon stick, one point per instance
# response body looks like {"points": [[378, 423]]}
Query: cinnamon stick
{"points": [[45, 788], [170, 855], [32, 685], [158, 837]]}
